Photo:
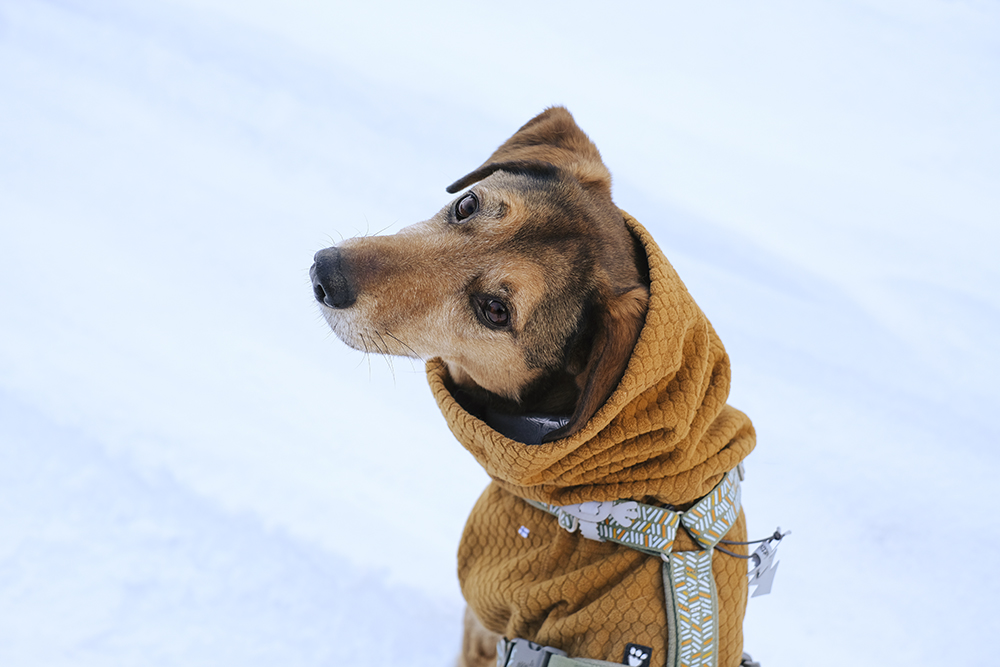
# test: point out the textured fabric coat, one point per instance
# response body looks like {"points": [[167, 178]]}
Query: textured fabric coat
{"points": [[665, 437]]}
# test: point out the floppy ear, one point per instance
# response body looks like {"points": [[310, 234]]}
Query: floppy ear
{"points": [[617, 333], [534, 167], [552, 137]]}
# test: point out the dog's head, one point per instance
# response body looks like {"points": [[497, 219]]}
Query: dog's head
{"points": [[528, 285]]}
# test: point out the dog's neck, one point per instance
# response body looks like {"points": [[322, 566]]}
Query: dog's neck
{"points": [[544, 406], [529, 428], [555, 392]]}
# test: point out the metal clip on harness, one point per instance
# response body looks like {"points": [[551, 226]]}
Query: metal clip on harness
{"points": [[522, 653]]}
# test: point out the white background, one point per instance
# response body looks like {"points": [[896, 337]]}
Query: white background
{"points": [[194, 471]]}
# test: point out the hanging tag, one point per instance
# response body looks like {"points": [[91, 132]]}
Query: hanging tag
{"points": [[762, 564]]}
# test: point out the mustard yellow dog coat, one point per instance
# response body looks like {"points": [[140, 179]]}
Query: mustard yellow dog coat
{"points": [[665, 437]]}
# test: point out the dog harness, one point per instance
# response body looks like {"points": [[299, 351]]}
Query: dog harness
{"points": [[691, 601]]}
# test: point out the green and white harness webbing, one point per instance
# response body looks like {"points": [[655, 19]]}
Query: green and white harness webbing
{"points": [[691, 600]]}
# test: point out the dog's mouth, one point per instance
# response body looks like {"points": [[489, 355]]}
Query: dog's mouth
{"points": [[348, 319], [372, 341]]}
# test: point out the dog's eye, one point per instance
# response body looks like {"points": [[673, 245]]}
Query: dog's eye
{"points": [[495, 313], [466, 206]]}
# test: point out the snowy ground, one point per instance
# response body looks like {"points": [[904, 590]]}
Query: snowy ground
{"points": [[193, 471]]}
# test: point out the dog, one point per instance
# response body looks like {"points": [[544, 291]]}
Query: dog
{"points": [[569, 358]]}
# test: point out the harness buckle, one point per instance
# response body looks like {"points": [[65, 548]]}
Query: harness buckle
{"points": [[568, 521], [522, 653]]}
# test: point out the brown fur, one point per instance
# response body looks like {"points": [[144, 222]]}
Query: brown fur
{"points": [[548, 242], [479, 645]]}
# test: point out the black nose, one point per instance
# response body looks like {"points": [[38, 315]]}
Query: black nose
{"points": [[329, 282]]}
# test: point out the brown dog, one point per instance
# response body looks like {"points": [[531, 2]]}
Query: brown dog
{"points": [[528, 286], [531, 290]]}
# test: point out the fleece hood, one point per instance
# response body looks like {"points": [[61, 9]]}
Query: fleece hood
{"points": [[665, 434]]}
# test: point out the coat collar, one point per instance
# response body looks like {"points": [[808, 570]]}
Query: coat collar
{"points": [[666, 432]]}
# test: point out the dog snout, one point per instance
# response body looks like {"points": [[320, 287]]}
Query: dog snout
{"points": [[330, 285]]}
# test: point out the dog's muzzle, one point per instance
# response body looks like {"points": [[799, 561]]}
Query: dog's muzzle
{"points": [[330, 285]]}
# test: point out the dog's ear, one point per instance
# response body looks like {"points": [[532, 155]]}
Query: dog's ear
{"points": [[618, 330], [534, 167], [550, 139]]}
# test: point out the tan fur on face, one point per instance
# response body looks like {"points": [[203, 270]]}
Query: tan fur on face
{"points": [[497, 363], [546, 240], [414, 290]]}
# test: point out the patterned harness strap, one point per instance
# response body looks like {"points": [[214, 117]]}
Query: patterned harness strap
{"points": [[692, 603]]}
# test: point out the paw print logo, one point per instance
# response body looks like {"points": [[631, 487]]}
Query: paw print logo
{"points": [[637, 655]]}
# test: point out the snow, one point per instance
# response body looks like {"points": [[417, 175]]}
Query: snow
{"points": [[195, 471], [103, 564]]}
